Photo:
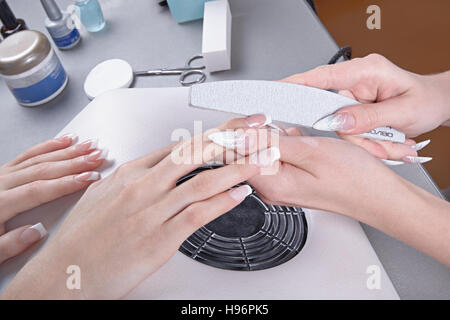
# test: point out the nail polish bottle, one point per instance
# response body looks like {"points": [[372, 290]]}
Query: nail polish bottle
{"points": [[60, 26], [91, 15], [11, 24]]}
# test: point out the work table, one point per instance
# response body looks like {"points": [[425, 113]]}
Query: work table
{"points": [[269, 41]]}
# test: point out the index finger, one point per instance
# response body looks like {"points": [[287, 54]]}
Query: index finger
{"points": [[44, 147], [339, 76]]}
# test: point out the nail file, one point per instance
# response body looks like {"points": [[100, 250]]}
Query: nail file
{"points": [[285, 102]]}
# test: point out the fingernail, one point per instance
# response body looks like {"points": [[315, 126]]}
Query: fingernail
{"points": [[229, 139], [258, 120], [392, 162], [336, 122], [97, 155], [277, 128], [88, 145], [412, 159], [265, 158], [70, 136], [421, 145], [241, 192], [88, 176], [214, 163], [33, 233]]}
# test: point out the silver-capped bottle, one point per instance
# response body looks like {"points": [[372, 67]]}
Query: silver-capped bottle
{"points": [[31, 68], [60, 26]]}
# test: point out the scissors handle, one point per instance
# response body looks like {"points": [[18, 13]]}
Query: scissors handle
{"points": [[186, 74], [188, 63]]}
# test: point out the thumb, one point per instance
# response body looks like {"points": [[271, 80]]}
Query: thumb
{"points": [[362, 118], [18, 240]]}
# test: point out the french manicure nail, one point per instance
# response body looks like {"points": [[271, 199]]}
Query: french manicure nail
{"points": [[265, 158], [412, 159], [277, 128], [258, 120], [33, 233], [241, 192], [88, 145], [97, 155], [336, 122], [214, 162], [88, 176], [421, 145], [228, 139], [392, 162], [73, 137]]}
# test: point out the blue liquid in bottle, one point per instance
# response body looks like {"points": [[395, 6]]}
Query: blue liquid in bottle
{"points": [[91, 15]]}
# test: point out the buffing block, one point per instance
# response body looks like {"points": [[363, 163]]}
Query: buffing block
{"points": [[216, 42]]}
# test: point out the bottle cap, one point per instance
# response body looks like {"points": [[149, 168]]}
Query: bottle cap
{"points": [[22, 51], [52, 10]]}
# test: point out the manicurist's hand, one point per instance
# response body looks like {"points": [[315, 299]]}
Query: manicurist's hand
{"points": [[130, 223], [42, 173], [337, 176], [390, 96]]}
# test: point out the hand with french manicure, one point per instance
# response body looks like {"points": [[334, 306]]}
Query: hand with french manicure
{"points": [[390, 96], [41, 174], [130, 223], [337, 176]]}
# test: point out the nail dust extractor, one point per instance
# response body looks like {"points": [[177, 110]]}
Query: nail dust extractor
{"points": [[252, 236], [325, 258]]}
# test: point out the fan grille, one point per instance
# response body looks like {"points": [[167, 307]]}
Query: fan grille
{"points": [[280, 236]]}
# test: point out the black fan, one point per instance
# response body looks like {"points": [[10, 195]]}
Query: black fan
{"points": [[252, 236]]}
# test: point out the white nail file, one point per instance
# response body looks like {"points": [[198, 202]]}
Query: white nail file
{"points": [[286, 102]]}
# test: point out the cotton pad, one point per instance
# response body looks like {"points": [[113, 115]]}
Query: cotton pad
{"points": [[108, 75]]}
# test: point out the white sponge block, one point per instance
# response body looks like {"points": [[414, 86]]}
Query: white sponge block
{"points": [[216, 42]]}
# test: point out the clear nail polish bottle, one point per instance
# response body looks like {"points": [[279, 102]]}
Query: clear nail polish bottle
{"points": [[91, 15]]}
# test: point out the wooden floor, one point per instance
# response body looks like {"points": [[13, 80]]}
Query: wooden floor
{"points": [[414, 34]]}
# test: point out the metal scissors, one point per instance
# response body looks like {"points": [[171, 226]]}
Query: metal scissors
{"points": [[185, 72]]}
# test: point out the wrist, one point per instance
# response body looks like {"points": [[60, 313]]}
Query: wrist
{"points": [[43, 277], [391, 201], [414, 216], [439, 87], [377, 197]]}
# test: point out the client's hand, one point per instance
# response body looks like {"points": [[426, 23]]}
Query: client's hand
{"points": [[337, 176], [322, 173], [42, 173], [130, 223]]}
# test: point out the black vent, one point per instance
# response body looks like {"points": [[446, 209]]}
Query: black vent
{"points": [[252, 236]]}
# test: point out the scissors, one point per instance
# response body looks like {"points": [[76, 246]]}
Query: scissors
{"points": [[188, 71]]}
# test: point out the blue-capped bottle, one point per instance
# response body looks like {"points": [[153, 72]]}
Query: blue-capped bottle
{"points": [[60, 26], [91, 15]]}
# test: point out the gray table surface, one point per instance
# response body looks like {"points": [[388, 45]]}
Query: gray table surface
{"points": [[270, 40]]}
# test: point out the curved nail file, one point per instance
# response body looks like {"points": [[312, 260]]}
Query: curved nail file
{"points": [[286, 102]]}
